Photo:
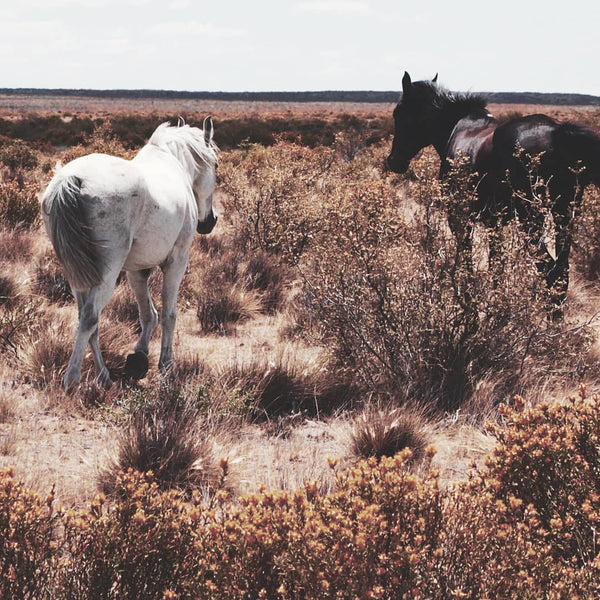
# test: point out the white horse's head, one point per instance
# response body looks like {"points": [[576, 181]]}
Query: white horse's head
{"points": [[195, 150], [204, 184]]}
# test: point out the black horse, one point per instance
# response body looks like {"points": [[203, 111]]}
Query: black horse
{"points": [[568, 159]]}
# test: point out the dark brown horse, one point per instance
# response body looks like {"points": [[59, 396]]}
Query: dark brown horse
{"points": [[460, 124]]}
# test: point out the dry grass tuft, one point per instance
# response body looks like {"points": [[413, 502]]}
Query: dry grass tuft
{"points": [[51, 283], [221, 309], [164, 436], [8, 291], [386, 431], [47, 352], [266, 388], [16, 245]]}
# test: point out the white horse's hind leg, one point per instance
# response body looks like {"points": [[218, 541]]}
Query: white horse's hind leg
{"points": [[173, 273], [88, 323], [103, 374], [137, 364], [90, 305]]}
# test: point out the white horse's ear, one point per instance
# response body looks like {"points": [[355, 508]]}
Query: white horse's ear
{"points": [[207, 126]]}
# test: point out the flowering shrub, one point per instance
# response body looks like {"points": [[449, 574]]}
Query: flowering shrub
{"points": [[27, 549], [547, 465], [139, 548], [522, 527]]}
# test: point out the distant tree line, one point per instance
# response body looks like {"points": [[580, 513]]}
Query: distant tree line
{"points": [[322, 96]]}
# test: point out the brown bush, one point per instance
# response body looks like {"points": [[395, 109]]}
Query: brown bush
{"points": [[220, 309], [19, 204], [406, 311], [522, 527], [17, 156]]}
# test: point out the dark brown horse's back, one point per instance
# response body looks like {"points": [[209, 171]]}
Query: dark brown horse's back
{"points": [[532, 134]]}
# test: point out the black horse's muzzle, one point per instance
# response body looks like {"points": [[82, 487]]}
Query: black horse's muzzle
{"points": [[208, 224]]}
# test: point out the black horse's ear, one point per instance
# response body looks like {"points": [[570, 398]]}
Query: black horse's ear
{"points": [[406, 82], [435, 78]]}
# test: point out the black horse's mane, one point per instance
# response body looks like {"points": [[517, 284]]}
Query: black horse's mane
{"points": [[457, 102]]}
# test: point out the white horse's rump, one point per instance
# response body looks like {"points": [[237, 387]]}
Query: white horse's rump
{"points": [[105, 214]]}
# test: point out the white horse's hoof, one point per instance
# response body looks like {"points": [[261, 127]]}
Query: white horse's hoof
{"points": [[136, 365], [70, 381], [104, 380]]}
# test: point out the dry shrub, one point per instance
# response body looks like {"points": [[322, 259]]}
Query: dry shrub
{"points": [[265, 274], [165, 437], [221, 309], [142, 546], [230, 286], [412, 316], [16, 245], [274, 196], [19, 204], [524, 526], [7, 406], [586, 238], [102, 140], [16, 316], [47, 351], [17, 156], [7, 291], [50, 281], [270, 388], [529, 518], [385, 431], [547, 466]]}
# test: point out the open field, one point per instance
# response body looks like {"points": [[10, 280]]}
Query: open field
{"points": [[53, 439], [324, 305]]}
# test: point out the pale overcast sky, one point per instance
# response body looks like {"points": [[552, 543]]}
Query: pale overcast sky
{"points": [[298, 45]]}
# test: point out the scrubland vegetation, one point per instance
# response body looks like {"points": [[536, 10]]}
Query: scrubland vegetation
{"points": [[354, 414]]}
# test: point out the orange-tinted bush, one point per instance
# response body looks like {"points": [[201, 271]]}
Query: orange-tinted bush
{"points": [[27, 548], [522, 527]]}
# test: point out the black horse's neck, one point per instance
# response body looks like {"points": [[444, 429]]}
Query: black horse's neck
{"points": [[451, 108]]}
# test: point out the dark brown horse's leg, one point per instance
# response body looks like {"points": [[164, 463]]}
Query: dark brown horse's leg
{"points": [[464, 273], [566, 198], [557, 278]]}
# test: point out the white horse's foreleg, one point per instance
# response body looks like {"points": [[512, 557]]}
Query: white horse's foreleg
{"points": [[137, 363], [173, 273], [138, 280]]}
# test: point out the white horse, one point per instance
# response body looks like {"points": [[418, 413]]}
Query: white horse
{"points": [[106, 214]]}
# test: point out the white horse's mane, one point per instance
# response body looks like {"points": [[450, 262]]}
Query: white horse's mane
{"points": [[187, 144]]}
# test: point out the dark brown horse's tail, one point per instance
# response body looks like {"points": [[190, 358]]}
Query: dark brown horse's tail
{"points": [[578, 145], [70, 233]]}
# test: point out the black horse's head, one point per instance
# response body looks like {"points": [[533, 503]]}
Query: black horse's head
{"points": [[414, 120]]}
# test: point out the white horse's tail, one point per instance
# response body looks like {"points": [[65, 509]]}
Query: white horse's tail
{"points": [[70, 233]]}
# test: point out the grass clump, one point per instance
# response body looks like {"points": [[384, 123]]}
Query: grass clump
{"points": [[164, 436], [379, 431]]}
